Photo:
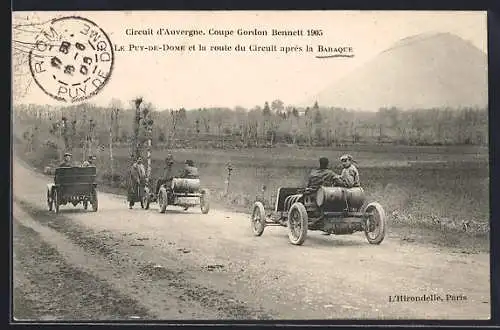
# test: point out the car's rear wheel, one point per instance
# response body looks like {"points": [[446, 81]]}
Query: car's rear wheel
{"points": [[55, 198], [297, 224], [204, 202], [258, 219], [145, 199], [162, 200], [376, 224], [95, 201], [49, 200]]}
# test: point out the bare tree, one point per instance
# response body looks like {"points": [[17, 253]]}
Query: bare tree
{"points": [[137, 119]]}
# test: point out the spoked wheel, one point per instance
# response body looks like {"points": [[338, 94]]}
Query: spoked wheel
{"points": [[297, 224], [145, 199], [140, 195], [95, 201], [49, 200], [55, 198], [163, 200], [376, 226], [204, 203], [258, 220]]}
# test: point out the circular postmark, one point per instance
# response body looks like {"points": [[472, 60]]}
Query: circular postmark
{"points": [[71, 59]]}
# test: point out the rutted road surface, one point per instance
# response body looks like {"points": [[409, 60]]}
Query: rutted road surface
{"points": [[137, 264]]}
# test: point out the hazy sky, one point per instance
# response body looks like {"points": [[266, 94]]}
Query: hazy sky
{"points": [[204, 79]]}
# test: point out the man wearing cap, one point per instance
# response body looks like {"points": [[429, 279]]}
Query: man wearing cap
{"points": [[67, 160], [167, 173], [321, 176], [190, 171], [350, 174]]}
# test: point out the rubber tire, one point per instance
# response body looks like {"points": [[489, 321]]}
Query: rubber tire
{"points": [[162, 200], [300, 208], [50, 202], [204, 203], [145, 201], [55, 198], [383, 223], [258, 208], [95, 201]]}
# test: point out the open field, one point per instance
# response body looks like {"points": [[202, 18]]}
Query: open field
{"points": [[432, 186]]}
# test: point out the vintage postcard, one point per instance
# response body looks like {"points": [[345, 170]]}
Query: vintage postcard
{"points": [[250, 165]]}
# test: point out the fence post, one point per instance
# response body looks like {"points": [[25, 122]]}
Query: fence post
{"points": [[229, 168]]}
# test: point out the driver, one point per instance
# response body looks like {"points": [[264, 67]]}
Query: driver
{"points": [[67, 160], [167, 173], [321, 176]]}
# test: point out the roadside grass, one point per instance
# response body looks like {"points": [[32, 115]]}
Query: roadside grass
{"points": [[438, 188]]}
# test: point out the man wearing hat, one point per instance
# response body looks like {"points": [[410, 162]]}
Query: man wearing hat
{"points": [[135, 181], [321, 176], [167, 173], [67, 160], [350, 174], [190, 171]]}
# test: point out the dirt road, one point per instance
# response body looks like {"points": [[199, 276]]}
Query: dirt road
{"points": [[137, 264]]}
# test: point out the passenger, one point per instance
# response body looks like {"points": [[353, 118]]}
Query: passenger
{"points": [[350, 174], [321, 176], [167, 173], [67, 160], [190, 171], [85, 163], [91, 160]]}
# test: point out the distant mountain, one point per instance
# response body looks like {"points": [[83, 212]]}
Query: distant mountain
{"points": [[422, 71]]}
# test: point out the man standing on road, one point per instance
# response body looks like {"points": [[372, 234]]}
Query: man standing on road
{"points": [[135, 182], [67, 160], [141, 169]]}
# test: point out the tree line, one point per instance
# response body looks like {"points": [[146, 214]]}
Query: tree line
{"points": [[88, 126]]}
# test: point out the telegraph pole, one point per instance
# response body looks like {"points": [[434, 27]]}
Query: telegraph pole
{"points": [[148, 125], [114, 113], [135, 150], [90, 136]]}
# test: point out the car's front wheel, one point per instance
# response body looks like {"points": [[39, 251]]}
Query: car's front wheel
{"points": [[258, 219], [376, 226], [297, 223], [162, 200], [204, 202]]}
